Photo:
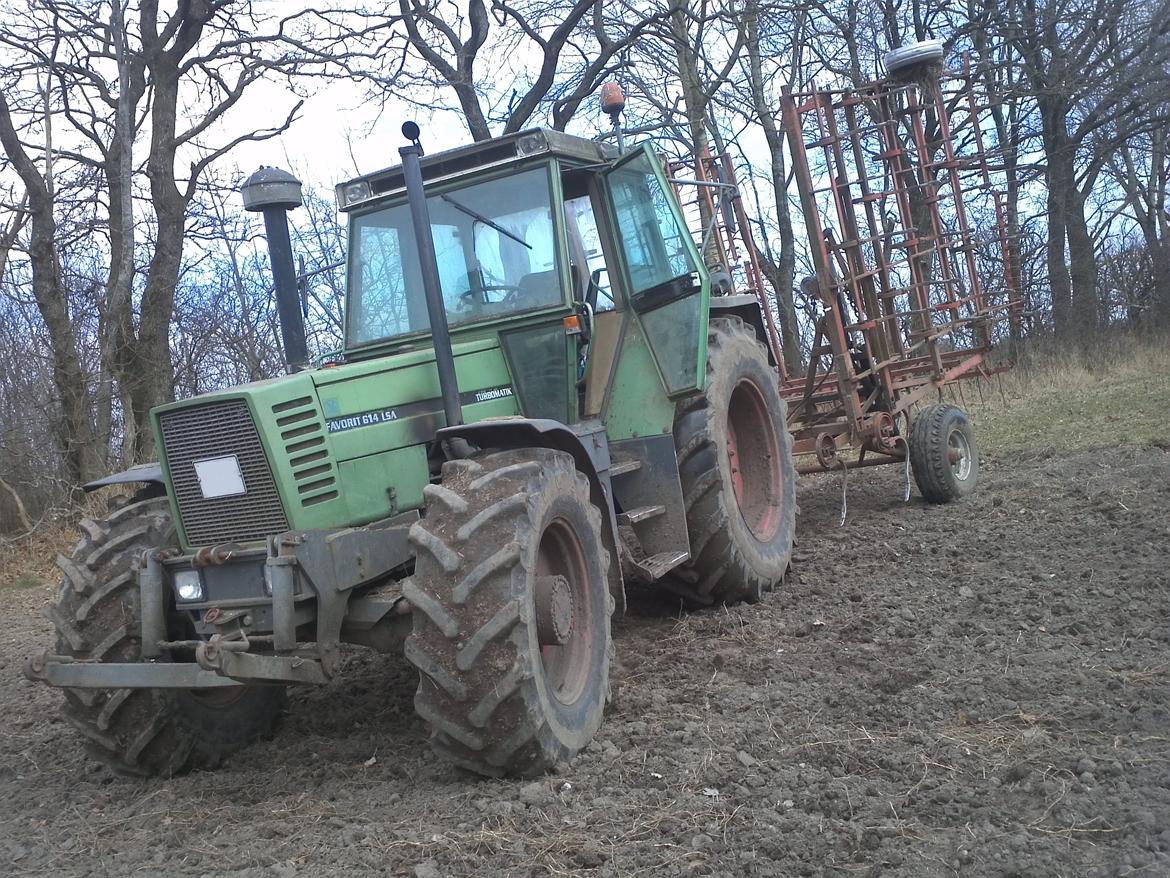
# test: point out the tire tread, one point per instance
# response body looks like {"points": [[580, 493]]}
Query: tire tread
{"points": [[470, 637], [719, 572], [139, 732]]}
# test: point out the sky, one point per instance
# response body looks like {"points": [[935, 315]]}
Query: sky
{"points": [[341, 133]]}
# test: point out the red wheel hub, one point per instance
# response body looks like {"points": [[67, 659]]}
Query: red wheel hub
{"points": [[565, 614], [754, 457]]}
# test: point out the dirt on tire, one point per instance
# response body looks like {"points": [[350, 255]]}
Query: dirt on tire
{"points": [[973, 689], [736, 555], [499, 700], [96, 617]]}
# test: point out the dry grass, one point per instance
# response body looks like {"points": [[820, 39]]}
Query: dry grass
{"points": [[1116, 393], [28, 561]]}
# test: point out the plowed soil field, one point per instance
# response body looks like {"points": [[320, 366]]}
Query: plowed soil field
{"points": [[976, 689]]}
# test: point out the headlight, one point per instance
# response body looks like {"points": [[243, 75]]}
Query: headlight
{"points": [[188, 585]]}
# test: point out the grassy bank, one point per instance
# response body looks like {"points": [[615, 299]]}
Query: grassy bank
{"points": [[1117, 393]]}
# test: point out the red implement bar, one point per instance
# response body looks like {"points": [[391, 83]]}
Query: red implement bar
{"points": [[889, 177]]}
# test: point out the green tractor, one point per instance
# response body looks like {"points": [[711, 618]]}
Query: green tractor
{"points": [[539, 402]]}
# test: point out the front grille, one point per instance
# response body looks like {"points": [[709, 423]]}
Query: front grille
{"points": [[220, 429]]}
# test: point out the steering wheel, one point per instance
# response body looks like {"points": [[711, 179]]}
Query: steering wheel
{"points": [[510, 292]]}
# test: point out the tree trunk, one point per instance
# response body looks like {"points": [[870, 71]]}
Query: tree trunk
{"points": [[150, 376], [1160, 257], [1059, 180], [1059, 282], [117, 342], [1083, 267], [695, 101], [781, 272], [75, 428]]}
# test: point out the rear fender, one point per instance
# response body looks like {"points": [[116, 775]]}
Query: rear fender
{"points": [[746, 308], [589, 448]]}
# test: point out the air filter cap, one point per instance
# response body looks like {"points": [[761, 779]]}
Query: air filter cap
{"points": [[908, 61]]}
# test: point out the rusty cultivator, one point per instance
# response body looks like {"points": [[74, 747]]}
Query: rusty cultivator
{"points": [[889, 176], [908, 239], [913, 282]]}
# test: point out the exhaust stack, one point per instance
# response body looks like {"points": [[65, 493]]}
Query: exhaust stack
{"points": [[436, 311], [274, 193]]}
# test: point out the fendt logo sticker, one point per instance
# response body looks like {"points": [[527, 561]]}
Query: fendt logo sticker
{"points": [[413, 409]]}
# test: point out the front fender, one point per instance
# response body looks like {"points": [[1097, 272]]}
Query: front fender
{"points": [[143, 473], [589, 447]]}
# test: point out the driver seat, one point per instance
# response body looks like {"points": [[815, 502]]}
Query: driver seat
{"points": [[538, 290]]}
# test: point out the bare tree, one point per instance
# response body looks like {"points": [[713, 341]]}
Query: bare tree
{"points": [[144, 100], [76, 433], [574, 46], [1140, 168], [1082, 62], [773, 38]]}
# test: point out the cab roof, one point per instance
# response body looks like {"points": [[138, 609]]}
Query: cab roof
{"points": [[475, 156]]}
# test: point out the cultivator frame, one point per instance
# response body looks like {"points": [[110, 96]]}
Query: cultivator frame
{"points": [[888, 176], [885, 187]]}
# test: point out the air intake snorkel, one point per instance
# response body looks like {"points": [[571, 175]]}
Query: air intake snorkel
{"points": [[274, 193]]}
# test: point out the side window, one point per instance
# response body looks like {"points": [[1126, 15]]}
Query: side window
{"points": [[655, 244]]}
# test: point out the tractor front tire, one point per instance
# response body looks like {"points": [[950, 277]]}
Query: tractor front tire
{"points": [[943, 453], [738, 479], [145, 732], [511, 613]]}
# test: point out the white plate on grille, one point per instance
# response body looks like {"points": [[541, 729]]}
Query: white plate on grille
{"points": [[220, 477]]}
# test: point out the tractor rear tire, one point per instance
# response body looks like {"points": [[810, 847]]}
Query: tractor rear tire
{"points": [[943, 453], [511, 613], [145, 732], [738, 479]]}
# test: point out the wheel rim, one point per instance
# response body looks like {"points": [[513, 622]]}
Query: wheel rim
{"points": [[566, 665], [753, 452], [959, 452]]}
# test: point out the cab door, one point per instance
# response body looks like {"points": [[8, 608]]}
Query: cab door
{"points": [[668, 287]]}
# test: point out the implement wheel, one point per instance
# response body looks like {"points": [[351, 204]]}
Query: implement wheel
{"points": [[511, 613], [142, 731], [738, 479], [943, 453]]}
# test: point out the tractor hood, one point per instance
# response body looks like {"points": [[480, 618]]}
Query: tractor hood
{"points": [[327, 448]]}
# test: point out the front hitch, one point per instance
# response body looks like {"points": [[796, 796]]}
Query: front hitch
{"points": [[64, 671]]}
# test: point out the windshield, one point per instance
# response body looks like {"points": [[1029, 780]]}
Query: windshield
{"points": [[494, 244]]}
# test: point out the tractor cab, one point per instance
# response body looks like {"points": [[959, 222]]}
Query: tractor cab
{"points": [[548, 243]]}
